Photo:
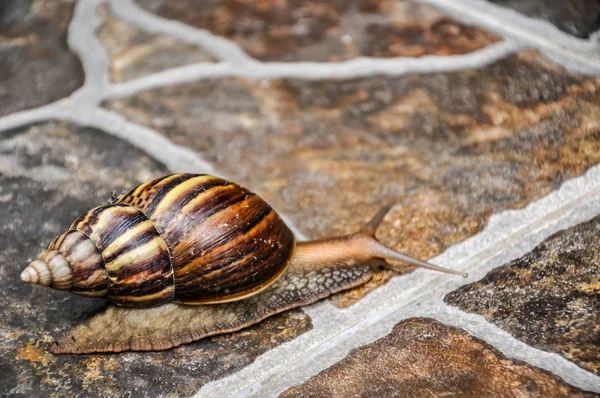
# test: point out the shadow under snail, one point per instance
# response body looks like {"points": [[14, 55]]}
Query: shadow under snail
{"points": [[166, 249]]}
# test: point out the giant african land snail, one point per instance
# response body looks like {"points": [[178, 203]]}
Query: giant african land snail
{"points": [[196, 239]]}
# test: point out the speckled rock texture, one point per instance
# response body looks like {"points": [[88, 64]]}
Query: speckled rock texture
{"points": [[325, 30], [547, 298], [451, 149], [579, 18], [424, 358], [36, 66], [135, 53], [50, 173]]}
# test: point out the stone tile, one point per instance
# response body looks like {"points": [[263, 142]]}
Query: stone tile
{"points": [[424, 358], [579, 18], [36, 66], [450, 148], [547, 298], [325, 30], [135, 53], [50, 173]]}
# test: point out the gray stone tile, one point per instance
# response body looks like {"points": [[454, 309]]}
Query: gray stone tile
{"points": [[549, 297], [36, 66], [579, 18]]}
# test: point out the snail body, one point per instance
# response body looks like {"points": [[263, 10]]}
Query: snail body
{"points": [[198, 239]]}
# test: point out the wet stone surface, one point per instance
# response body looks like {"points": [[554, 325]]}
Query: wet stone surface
{"points": [[547, 298], [50, 173], [450, 148], [579, 18], [325, 30], [36, 66], [135, 53], [424, 358]]}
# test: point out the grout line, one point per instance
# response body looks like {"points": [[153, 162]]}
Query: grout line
{"points": [[182, 157], [521, 230], [299, 235], [474, 325], [93, 56], [87, 97], [171, 76], [81, 107], [536, 26], [222, 48], [29, 116], [575, 54], [357, 67], [176, 158], [509, 346], [513, 23]]}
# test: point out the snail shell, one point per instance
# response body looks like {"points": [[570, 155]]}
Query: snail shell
{"points": [[187, 238]]}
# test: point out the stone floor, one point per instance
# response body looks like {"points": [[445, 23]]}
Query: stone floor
{"points": [[479, 119]]}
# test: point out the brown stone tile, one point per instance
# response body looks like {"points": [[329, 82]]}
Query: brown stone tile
{"points": [[579, 18], [325, 30], [36, 66], [547, 298], [135, 53], [450, 148], [424, 358], [50, 173]]}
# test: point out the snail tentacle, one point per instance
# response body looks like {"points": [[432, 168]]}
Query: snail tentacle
{"points": [[361, 246], [371, 227]]}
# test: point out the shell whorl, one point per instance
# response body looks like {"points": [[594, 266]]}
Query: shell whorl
{"points": [[190, 238], [71, 262], [226, 243], [135, 257]]}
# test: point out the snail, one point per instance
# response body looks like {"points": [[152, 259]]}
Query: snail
{"points": [[187, 256]]}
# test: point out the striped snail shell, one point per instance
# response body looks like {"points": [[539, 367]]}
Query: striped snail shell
{"points": [[186, 238]]}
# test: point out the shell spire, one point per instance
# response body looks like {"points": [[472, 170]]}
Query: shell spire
{"points": [[50, 269], [71, 262]]}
